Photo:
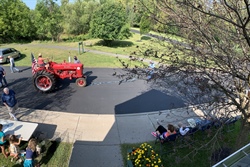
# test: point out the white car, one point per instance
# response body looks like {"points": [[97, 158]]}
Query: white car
{"points": [[5, 52]]}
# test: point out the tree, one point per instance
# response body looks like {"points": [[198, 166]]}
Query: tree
{"points": [[209, 67], [15, 20], [110, 22], [145, 25], [215, 48], [48, 19], [77, 16]]}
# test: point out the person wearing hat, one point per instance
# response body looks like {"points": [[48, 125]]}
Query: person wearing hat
{"points": [[40, 61], [76, 60]]}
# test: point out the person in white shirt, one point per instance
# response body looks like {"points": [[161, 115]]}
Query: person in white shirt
{"points": [[151, 68], [76, 60], [183, 130], [151, 65], [12, 65]]}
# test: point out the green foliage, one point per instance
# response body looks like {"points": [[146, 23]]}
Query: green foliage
{"points": [[77, 16], [198, 150], [78, 38], [48, 19], [15, 20], [145, 24], [110, 22]]}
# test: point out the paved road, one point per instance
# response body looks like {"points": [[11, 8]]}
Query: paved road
{"points": [[103, 95]]}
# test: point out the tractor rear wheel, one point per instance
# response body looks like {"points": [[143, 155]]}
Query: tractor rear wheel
{"points": [[44, 81], [81, 82]]}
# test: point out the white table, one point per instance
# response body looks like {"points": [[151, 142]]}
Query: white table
{"points": [[19, 128]]}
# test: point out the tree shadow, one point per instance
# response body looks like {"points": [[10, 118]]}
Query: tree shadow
{"points": [[115, 44], [29, 97]]}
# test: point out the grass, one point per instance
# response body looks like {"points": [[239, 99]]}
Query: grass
{"points": [[53, 154], [170, 36], [61, 51], [59, 55], [198, 154], [124, 47]]}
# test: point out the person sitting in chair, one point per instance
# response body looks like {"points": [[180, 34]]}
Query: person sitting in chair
{"points": [[182, 129], [164, 133], [40, 61]]}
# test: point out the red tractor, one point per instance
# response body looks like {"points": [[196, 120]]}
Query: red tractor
{"points": [[45, 78]]}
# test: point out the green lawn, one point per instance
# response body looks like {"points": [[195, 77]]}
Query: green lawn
{"points": [[61, 51], [59, 55], [199, 153], [53, 154]]}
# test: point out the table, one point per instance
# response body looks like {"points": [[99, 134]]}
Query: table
{"points": [[19, 128]]}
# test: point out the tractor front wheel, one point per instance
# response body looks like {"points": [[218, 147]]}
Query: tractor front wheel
{"points": [[44, 81], [81, 82]]}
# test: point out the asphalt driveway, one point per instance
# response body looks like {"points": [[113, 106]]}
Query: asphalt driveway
{"points": [[103, 94]]}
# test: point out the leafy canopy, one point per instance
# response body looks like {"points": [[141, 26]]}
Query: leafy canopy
{"points": [[15, 22], [110, 22]]}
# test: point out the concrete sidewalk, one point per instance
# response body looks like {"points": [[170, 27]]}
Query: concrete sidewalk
{"points": [[97, 138]]}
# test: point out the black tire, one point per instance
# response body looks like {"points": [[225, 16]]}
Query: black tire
{"points": [[81, 82], [44, 81]]}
